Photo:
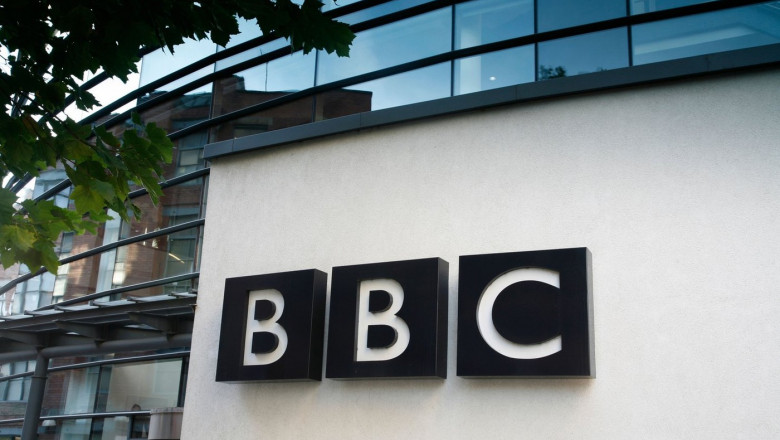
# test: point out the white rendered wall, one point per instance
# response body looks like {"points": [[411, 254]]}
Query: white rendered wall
{"points": [[675, 188]]}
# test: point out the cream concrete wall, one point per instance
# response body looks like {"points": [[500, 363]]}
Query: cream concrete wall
{"points": [[675, 188]]}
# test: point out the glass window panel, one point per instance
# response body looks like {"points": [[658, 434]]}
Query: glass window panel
{"points": [[419, 85], [177, 113], [558, 14], [120, 428], [70, 391], [74, 429], [396, 43], [719, 31], [27, 382], [486, 21], [106, 93], [262, 83], [162, 62], [142, 261], [251, 53], [32, 294], [282, 116], [12, 431], [585, 53], [642, 6], [379, 10], [335, 4], [495, 69], [139, 427], [145, 384], [130, 264], [248, 29], [14, 390]]}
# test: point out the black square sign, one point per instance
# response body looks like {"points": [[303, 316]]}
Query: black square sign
{"points": [[526, 314], [272, 327], [388, 320]]}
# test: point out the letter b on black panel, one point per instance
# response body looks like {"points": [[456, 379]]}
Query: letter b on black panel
{"points": [[526, 314], [388, 320], [272, 327]]}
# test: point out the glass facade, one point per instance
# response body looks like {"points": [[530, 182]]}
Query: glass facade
{"points": [[102, 398], [414, 57]]}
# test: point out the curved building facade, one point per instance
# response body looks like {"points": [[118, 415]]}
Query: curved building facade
{"points": [[644, 130]]}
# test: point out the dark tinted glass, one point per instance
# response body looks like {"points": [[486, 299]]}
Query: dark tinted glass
{"points": [[586, 53], [720, 31], [495, 69], [485, 21], [557, 14], [280, 116]]}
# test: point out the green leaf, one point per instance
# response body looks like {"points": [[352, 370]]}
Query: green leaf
{"points": [[86, 199], [17, 237], [7, 200]]}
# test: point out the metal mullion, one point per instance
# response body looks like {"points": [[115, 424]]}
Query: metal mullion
{"points": [[130, 288], [172, 182], [131, 359], [16, 376]]}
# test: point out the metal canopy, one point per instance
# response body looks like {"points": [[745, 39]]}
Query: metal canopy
{"points": [[143, 323]]}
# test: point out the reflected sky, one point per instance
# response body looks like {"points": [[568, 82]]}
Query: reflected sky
{"points": [[378, 11], [493, 70], [161, 62], [406, 40], [642, 6], [558, 14], [416, 86], [289, 73], [731, 29], [487, 21], [586, 53], [107, 92]]}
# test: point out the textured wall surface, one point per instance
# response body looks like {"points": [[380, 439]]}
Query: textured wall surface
{"points": [[675, 189]]}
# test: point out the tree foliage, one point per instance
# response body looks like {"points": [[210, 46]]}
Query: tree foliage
{"points": [[49, 47]]}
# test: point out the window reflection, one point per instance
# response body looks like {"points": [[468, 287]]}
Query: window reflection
{"points": [[14, 392], [396, 43], [404, 88], [281, 116], [145, 385], [487, 21], [642, 6], [593, 52], [256, 85], [249, 30], [159, 257], [378, 10], [107, 92], [71, 391], [334, 4], [162, 62], [558, 14], [495, 69], [719, 31], [113, 387]]}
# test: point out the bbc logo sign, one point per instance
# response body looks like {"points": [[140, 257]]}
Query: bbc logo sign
{"points": [[521, 314]]}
